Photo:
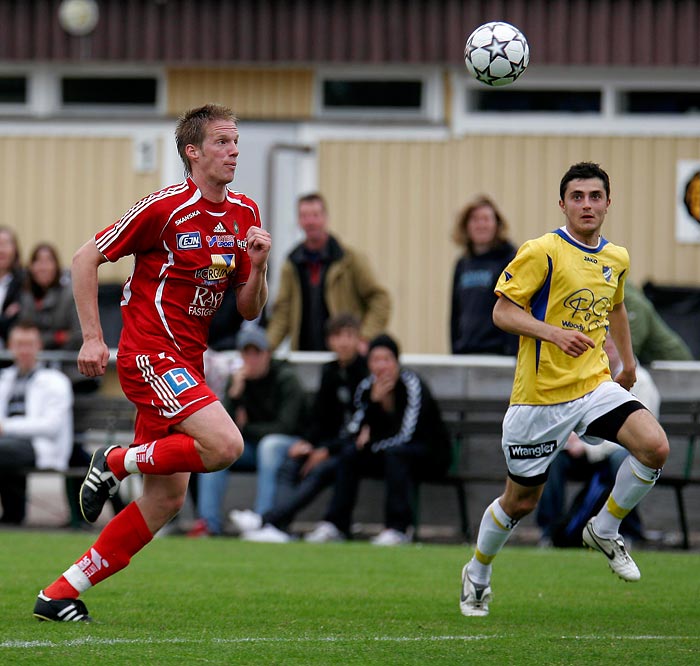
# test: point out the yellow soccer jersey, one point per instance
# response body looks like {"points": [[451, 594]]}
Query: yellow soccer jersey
{"points": [[569, 285]]}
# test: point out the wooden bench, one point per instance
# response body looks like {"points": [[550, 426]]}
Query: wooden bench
{"points": [[681, 419]]}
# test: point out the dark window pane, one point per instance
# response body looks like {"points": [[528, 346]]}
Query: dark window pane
{"points": [[112, 91], [661, 102], [553, 101], [13, 90], [372, 94]]}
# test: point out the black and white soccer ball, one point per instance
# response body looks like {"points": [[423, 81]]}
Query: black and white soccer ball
{"points": [[496, 53]]}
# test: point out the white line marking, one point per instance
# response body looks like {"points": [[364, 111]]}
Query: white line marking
{"points": [[88, 640]]}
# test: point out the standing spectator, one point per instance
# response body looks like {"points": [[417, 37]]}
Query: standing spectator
{"points": [[36, 420], [48, 300], [399, 435], [310, 464], [11, 281], [267, 402], [190, 242], [320, 278], [481, 231], [652, 338], [563, 293]]}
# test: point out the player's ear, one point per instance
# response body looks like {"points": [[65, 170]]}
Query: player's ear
{"points": [[192, 151], [561, 205]]}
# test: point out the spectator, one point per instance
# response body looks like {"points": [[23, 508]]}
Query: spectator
{"points": [[321, 278], [48, 300], [11, 280], [310, 464], [267, 402], [481, 231], [581, 461], [399, 435], [652, 338], [36, 420]]}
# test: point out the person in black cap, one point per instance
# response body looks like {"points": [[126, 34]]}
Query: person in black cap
{"points": [[399, 435]]}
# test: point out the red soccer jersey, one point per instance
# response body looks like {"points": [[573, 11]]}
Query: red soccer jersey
{"points": [[187, 251]]}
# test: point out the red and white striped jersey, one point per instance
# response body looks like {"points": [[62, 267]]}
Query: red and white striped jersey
{"points": [[187, 251]]}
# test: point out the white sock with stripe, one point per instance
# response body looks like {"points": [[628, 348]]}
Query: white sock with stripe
{"points": [[495, 529], [632, 483]]}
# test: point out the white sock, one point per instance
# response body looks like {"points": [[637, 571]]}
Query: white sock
{"points": [[633, 481], [495, 529]]}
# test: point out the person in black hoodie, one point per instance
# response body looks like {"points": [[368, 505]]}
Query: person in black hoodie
{"points": [[311, 462], [481, 231], [399, 435]]}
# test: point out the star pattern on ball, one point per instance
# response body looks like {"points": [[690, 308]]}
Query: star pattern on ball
{"points": [[497, 48]]}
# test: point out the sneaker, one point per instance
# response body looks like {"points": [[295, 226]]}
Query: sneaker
{"points": [[199, 529], [614, 549], [60, 610], [266, 534], [245, 521], [474, 599], [99, 485], [390, 537], [324, 532]]}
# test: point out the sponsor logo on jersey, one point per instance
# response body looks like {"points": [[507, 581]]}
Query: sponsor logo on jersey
{"points": [[179, 380], [593, 260], [607, 273], [221, 266], [205, 302], [189, 216], [530, 451], [219, 229], [235, 228], [189, 240], [229, 240]]}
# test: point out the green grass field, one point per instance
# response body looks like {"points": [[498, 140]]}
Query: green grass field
{"points": [[222, 601]]}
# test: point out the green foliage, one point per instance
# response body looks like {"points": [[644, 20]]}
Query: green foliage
{"points": [[223, 601]]}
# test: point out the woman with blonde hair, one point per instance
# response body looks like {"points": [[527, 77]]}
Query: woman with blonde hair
{"points": [[482, 232]]}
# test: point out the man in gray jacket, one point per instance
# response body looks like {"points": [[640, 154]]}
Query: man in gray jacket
{"points": [[36, 420]]}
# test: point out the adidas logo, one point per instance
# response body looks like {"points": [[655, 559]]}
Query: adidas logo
{"points": [[219, 229]]}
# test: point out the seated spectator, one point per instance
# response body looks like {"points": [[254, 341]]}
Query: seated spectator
{"points": [[48, 300], [592, 464], [36, 420], [267, 403], [652, 338], [11, 281], [482, 233], [399, 435], [310, 464]]}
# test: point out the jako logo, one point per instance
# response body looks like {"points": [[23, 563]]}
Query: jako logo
{"points": [[189, 216], [522, 452]]}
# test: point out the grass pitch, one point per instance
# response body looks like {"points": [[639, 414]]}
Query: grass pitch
{"points": [[223, 601]]}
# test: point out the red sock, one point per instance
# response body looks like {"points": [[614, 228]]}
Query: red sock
{"points": [[171, 454], [115, 462], [124, 536]]}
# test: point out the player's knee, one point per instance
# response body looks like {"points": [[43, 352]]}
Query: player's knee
{"points": [[657, 452], [229, 449]]}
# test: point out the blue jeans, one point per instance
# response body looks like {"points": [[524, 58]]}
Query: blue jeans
{"points": [[266, 457]]}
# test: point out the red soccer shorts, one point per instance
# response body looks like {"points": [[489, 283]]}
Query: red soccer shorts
{"points": [[165, 389]]}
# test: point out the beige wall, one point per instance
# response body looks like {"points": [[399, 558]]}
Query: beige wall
{"points": [[64, 189], [263, 94], [397, 201]]}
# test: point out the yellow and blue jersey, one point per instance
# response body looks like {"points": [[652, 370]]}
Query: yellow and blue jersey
{"points": [[570, 285]]}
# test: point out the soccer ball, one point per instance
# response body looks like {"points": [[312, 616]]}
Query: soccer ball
{"points": [[496, 53]]}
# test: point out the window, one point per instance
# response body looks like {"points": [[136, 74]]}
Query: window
{"points": [[372, 94], [108, 91], [549, 101], [673, 102], [13, 90]]}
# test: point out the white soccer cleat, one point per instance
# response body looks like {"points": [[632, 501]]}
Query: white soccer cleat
{"points": [[245, 521], [474, 599], [324, 532], [390, 537], [614, 549], [266, 534]]}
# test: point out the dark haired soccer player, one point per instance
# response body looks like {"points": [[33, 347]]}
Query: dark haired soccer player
{"points": [[190, 242], [562, 294]]}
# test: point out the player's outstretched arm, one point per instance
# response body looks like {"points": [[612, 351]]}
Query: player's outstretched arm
{"points": [[94, 353]]}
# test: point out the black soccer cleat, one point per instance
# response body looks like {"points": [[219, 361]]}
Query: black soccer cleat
{"points": [[60, 610], [99, 485]]}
